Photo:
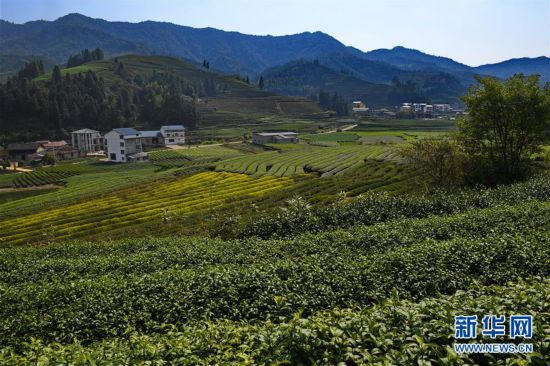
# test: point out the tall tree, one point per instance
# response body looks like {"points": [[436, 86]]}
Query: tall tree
{"points": [[505, 124], [261, 83], [56, 75]]}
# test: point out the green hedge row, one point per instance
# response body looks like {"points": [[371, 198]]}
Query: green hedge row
{"points": [[394, 332], [76, 260], [105, 306], [376, 207]]}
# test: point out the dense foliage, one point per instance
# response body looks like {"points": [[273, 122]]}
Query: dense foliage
{"points": [[83, 99], [396, 331], [372, 207], [83, 291], [31, 70], [506, 124], [85, 56]]}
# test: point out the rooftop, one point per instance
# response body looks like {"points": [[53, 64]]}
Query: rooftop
{"points": [[85, 130], [150, 133], [276, 133], [173, 127], [53, 143], [126, 131], [24, 146]]}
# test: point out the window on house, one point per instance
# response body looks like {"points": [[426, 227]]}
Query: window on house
{"points": [[121, 137], [113, 156], [122, 152], [122, 144]]}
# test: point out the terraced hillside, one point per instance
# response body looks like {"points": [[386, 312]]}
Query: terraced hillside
{"points": [[380, 282], [149, 203], [189, 190], [324, 161], [229, 96]]}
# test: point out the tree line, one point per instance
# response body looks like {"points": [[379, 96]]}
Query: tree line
{"points": [[497, 141], [333, 102], [85, 56], [34, 108]]}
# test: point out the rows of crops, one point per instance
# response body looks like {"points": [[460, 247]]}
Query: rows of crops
{"points": [[192, 153], [77, 188], [51, 175], [250, 289], [340, 137], [137, 205], [368, 336], [325, 161], [379, 206]]}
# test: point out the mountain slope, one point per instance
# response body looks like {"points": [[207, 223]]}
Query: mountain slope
{"points": [[527, 66], [435, 82], [234, 52], [11, 64], [136, 91], [410, 59], [226, 51], [307, 78]]}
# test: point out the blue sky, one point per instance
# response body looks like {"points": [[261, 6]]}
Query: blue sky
{"points": [[470, 31]]}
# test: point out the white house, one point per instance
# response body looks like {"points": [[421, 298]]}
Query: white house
{"points": [[173, 135], [124, 145], [359, 107], [87, 141]]}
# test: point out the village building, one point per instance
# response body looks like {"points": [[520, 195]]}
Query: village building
{"points": [[87, 141], [25, 152], [275, 138], [442, 108], [60, 150], [173, 134], [359, 107], [152, 138], [124, 145]]}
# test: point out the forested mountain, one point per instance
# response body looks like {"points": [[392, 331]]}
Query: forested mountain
{"points": [[410, 59], [227, 51], [230, 52], [307, 78], [538, 65], [128, 91], [381, 77], [435, 83], [11, 64]]}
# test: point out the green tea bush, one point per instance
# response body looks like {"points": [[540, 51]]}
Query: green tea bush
{"points": [[103, 306], [394, 332], [74, 260], [376, 207]]}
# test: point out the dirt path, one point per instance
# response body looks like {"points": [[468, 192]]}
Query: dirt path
{"points": [[182, 147], [343, 129]]}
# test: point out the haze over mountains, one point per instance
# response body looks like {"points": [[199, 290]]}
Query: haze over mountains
{"points": [[434, 77]]}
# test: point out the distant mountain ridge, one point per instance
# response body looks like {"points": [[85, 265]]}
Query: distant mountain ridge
{"points": [[307, 78], [249, 55], [504, 69], [227, 51]]}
